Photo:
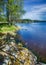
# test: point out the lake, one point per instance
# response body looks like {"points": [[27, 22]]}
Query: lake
{"points": [[34, 34]]}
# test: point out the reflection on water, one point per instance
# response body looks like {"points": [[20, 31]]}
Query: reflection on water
{"points": [[35, 36]]}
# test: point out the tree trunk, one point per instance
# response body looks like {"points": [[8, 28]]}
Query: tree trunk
{"points": [[7, 12]]}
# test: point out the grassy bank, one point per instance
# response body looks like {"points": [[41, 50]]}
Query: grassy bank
{"points": [[8, 29]]}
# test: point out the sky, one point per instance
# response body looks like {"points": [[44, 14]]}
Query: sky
{"points": [[35, 9]]}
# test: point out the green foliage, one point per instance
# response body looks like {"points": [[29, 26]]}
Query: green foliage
{"points": [[13, 8], [2, 16], [6, 28]]}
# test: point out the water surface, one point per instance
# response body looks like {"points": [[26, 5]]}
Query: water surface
{"points": [[34, 34]]}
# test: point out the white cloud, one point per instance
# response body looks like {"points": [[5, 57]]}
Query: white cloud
{"points": [[36, 12]]}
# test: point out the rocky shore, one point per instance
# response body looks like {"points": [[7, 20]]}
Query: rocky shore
{"points": [[13, 52]]}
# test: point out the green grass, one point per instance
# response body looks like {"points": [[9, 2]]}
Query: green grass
{"points": [[6, 28]]}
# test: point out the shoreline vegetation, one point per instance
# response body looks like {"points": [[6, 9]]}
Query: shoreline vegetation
{"points": [[8, 35], [12, 50], [6, 28], [21, 21], [28, 21]]}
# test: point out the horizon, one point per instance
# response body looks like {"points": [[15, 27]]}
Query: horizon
{"points": [[35, 9]]}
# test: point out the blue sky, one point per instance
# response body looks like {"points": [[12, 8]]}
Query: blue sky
{"points": [[35, 9]]}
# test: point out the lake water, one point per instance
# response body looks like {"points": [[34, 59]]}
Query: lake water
{"points": [[34, 34]]}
